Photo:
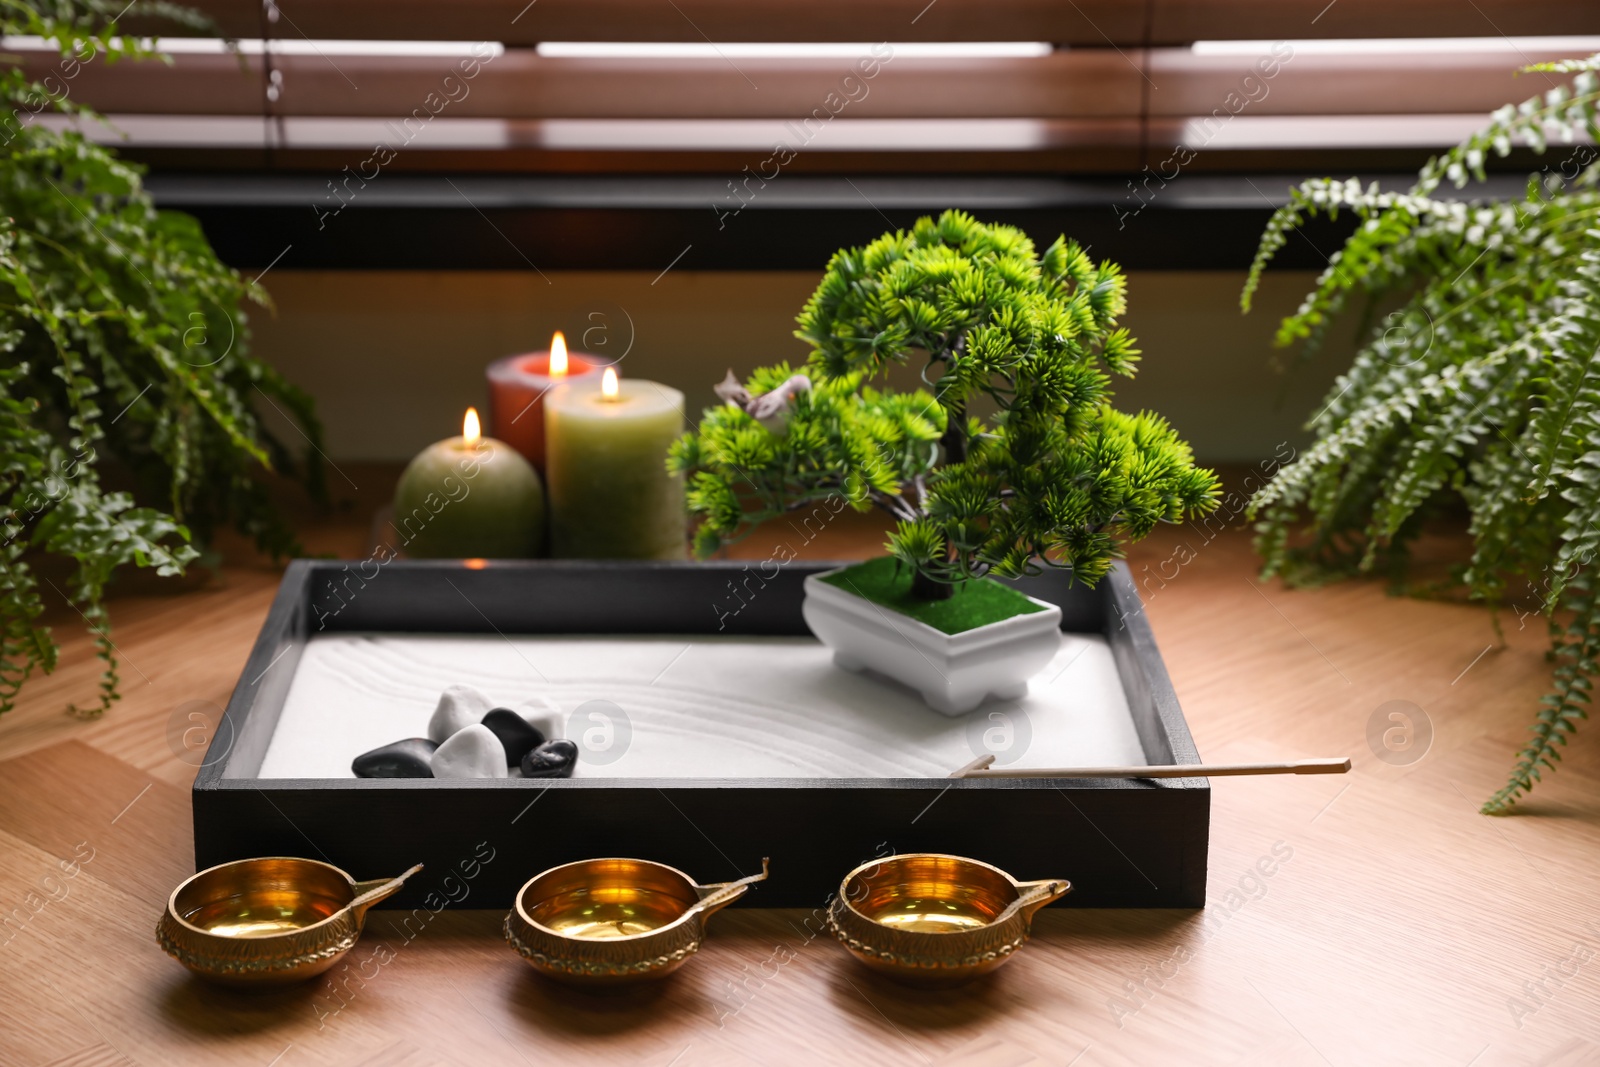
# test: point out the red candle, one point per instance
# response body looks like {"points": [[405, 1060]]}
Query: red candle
{"points": [[517, 388]]}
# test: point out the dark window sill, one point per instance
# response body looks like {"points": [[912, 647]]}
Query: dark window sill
{"points": [[795, 222]]}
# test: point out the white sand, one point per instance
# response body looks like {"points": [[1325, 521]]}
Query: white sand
{"points": [[698, 706]]}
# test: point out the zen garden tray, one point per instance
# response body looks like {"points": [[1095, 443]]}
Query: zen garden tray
{"points": [[713, 730]]}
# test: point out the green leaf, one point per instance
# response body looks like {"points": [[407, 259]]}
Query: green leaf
{"points": [[121, 341], [1060, 479], [1480, 390]]}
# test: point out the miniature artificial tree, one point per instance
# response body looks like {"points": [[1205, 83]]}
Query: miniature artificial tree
{"points": [[1050, 476]]}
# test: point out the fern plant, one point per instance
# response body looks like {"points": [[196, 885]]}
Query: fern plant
{"points": [[1482, 387], [1055, 477], [121, 344]]}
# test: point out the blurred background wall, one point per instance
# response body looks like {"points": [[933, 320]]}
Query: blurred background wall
{"points": [[393, 358]]}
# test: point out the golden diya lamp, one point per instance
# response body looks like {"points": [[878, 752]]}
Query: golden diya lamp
{"points": [[615, 921], [270, 921], [934, 920]]}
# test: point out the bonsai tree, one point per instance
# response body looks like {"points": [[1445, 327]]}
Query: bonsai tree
{"points": [[1477, 390], [1013, 462]]}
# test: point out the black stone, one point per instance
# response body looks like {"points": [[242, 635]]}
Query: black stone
{"points": [[411, 758], [553, 759], [516, 736]]}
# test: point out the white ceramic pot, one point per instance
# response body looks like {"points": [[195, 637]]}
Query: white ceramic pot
{"points": [[953, 672]]}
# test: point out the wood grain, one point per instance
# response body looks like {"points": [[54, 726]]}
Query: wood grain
{"points": [[1370, 918]]}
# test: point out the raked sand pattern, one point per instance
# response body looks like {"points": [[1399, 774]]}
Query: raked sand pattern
{"points": [[698, 706]]}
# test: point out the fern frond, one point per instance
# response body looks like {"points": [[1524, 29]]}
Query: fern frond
{"points": [[1483, 386], [121, 337], [1577, 648]]}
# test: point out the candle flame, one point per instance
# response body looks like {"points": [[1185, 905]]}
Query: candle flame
{"points": [[470, 431], [608, 384], [558, 355]]}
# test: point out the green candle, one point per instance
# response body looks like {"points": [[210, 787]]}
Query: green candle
{"points": [[469, 497], [605, 457]]}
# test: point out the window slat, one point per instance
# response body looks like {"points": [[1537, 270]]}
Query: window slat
{"points": [[1094, 23], [726, 148], [1305, 82], [1184, 21], [522, 84], [1074, 84], [517, 22]]}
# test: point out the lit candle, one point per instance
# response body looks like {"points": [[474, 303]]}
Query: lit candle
{"points": [[469, 496], [517, 388], [610, 494]]}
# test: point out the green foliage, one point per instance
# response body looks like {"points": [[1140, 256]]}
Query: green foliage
{"points": [[1483, 386], [841, 440], [1054, 478], [121, 340]]}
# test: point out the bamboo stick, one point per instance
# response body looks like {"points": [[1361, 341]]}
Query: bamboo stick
{"points": [[979, 768]]}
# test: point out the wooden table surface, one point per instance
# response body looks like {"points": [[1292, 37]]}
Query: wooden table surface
{"points": [[1397, 925]]}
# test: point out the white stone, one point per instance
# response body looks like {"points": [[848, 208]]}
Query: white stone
{"points": [[459, 707], [473, 752], [542, 714]]}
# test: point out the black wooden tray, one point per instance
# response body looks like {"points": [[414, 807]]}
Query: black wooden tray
{"points": [[1123, 843]]}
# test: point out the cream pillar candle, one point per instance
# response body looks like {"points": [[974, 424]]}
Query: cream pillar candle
{"points": [[605, 464]]}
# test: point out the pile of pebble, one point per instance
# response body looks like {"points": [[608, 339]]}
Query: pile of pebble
{"points": [[468, 737]]}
